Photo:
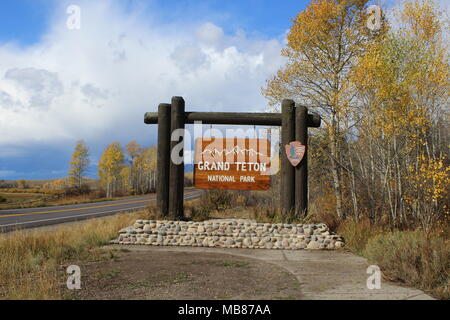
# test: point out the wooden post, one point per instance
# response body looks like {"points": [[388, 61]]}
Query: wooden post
{"points": [[176, 183], [301, 170], [287, 185], [163, 159]]}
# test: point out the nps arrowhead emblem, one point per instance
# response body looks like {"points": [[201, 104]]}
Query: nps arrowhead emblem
{"points": [[295, 151]]}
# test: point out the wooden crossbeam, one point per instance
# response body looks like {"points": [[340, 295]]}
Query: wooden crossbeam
{"points": [[234, 118]]}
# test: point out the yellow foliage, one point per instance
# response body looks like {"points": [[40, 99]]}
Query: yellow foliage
{"points": [[79, 164], [322, 44], [421, 19], [110, 166], [431, 177]]}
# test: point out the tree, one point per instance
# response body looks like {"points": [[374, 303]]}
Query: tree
{"points": [[323, 44], [133, 151], [402, 85], [79, 164], [22, 184], [110, 167], [146, 170]]}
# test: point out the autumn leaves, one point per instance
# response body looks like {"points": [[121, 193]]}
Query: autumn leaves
{"points": [[132, 171], [383, 97]]}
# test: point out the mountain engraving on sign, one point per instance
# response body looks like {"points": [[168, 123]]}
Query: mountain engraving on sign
{"points": [[232, 163]]}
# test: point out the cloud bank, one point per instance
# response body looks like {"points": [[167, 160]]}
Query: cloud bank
{"points": [[95, 83]]}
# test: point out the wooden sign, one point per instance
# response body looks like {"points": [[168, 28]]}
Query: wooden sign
{"points": [[295, 151], [232, 163]]}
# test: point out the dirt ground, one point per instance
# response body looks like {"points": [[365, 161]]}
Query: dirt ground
{"points": [[181, 275]]}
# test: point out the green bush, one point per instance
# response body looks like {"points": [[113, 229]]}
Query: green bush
{"points": [[2, 199], [413, 257]]}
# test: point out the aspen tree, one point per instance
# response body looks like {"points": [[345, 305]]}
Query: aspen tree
{"points": [[79, 164]]}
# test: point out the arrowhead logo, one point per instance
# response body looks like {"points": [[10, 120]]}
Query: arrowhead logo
{"points": [[295, 151]]}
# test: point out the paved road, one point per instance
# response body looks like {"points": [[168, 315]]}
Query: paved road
{"points": [[43, 216], [323, 274]]}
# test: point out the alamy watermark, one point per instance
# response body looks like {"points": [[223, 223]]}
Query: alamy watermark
{"points": [[73, 21], [374, 280], [374, 19], [74, 280]]}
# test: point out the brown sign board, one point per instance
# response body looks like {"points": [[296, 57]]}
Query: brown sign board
{"points": [[232, 163]]}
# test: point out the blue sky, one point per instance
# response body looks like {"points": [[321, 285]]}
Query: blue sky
{"points": [[26, 21], [59, 85], [211, 37], [23, 21]]}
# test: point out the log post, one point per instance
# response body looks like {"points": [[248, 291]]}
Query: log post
{"points": [[287, 185], [301, 170], [163, 159], [176, 179]]}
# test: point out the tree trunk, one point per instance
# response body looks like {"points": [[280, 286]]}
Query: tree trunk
{"points": [[335, 170]]}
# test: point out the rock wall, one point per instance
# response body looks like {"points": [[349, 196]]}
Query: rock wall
{"points": [[230, 233]]}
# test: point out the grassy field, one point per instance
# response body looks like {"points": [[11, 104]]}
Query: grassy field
{"points": [[16, 200], [33, 200], [32, 261]]}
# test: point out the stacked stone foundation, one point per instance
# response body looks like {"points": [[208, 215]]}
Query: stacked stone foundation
{"points": [[230, 233]]}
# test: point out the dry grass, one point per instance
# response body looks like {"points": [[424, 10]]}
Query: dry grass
{"points": [[415, 258], [31, 190], [239, 204], [31, 262], [14, 200], [357, 234], [35, 200]]}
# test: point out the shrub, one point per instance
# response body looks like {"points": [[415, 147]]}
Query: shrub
{"points": [[152, 213], [357, 234], [217, 199], [413, 257], [319, 213], [98, 194], [250, 198], [2, 199], [199, 213], [273, 214]]}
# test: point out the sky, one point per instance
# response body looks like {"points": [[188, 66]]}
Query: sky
{"points": [[60, 84]]}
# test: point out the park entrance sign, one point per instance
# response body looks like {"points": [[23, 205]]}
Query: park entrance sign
{"points": [[171, 118], [232, 164]]}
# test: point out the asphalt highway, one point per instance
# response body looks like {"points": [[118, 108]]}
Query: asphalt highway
{"points": [[13, 219]]}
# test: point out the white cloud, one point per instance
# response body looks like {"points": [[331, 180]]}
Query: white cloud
{"points": [[96, 83], [210, 34], [29, 88]]}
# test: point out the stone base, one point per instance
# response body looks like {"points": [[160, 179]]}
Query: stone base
{"points": [[230, 233]]}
